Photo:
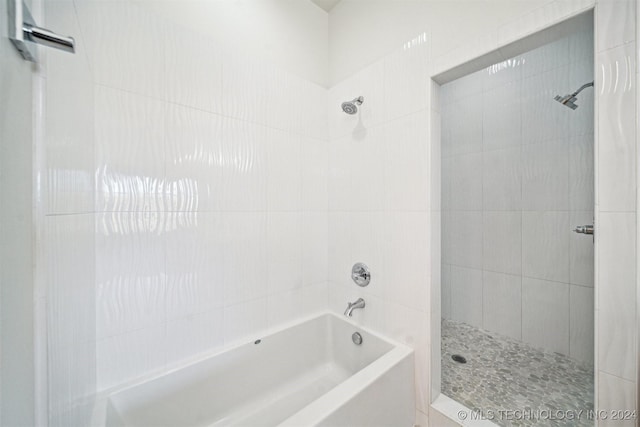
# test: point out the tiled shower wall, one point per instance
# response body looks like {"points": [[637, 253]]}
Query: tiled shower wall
{"points": [[378, 203], [17, 248], [517, 177], [211, 193], [190, 189], [65, 165], [616, 45]]}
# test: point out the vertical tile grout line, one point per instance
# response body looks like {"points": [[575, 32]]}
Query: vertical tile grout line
{"points": [[520, 166], [482, 204]]}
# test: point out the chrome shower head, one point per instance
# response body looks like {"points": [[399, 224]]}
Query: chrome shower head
{"points": [[351, 107], [569, 100]]}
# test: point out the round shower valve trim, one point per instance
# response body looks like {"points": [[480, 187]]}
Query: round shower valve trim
{"points": [[360, 274]]}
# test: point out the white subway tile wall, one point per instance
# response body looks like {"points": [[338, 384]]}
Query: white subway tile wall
{"points": [[517, 175]]}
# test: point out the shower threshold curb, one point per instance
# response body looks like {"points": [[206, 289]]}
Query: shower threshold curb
{"points": [[458, 413]]}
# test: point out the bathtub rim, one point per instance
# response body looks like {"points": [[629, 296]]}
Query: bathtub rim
{"points": [[335, 398], [101, 403]]}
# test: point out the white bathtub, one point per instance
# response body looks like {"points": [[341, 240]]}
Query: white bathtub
{"points": [[310, 374]]}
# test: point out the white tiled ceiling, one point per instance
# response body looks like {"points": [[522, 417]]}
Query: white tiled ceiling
{"points": [[326, 4]]}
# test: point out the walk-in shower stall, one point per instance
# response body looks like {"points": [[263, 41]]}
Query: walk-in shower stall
{"points": [[517, 225]]}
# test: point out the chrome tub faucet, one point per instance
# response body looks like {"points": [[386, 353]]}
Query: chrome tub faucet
{"points": [[359, 303]]}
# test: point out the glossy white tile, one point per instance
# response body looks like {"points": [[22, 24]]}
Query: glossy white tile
{"points": [[446, 291], [502, 180], [581, 326], [339, 248], [615, 83], [69, 142], [121, 358], [246, 321], [465, 236], [406, 245], [502, 304], [194, 160], [501, 113], [406, 162], [405, 81], [582, 44], [192, 335], [58, 64], [550, 13], [368, 168], [446, 178], [548, 57], [471, 84], [290, 305], [189, 59], [545, 118], [130, 273], [616, 293], [194, 263], [73, 381], [502, 242], [411, 328], [339, 174], [581, 121], [545, 315], [545, 176], [244, 159], [245, 256], [466, 182], [502, 75], [130, 151], [434, 159], [69, 241], [284, 251], [467, 138], [581, 250], [581, 173], [315, 240], [616, 394], [310, 121], [367, 83], [314, 160], [115, 60], [69, 265], [247, 88], [422, 420], [618, 14], [545, 245], [371, 237], [466, 295], [283, 171]]}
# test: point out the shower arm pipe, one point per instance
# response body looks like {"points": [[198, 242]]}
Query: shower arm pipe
{"points": [[584, 86]]}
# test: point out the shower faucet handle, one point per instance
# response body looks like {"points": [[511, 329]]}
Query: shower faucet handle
{"points": [[360, 274], [584, 229]]}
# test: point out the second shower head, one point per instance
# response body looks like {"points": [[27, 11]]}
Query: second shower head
{"points": [[351, 107], [570, 99]]}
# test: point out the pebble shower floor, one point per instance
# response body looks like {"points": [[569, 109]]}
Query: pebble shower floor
{"points": [[503, 375]]}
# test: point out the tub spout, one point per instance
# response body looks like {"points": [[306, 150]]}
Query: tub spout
{"points": [[353, 305]]}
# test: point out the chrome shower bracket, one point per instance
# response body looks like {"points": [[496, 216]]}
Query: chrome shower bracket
{"points": [[24, 32]]}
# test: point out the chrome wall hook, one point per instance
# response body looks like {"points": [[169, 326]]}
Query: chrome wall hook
{"points": [[24, 32]]}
